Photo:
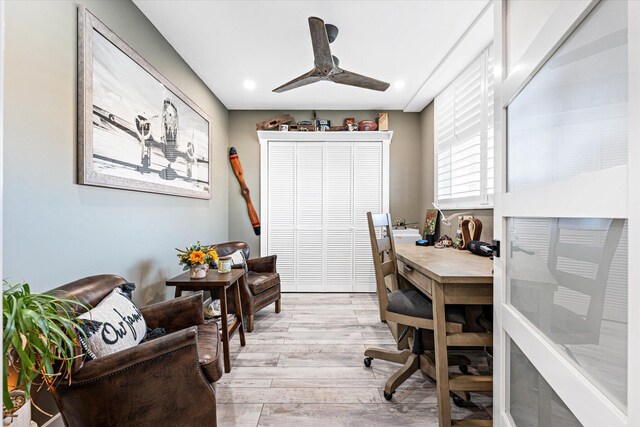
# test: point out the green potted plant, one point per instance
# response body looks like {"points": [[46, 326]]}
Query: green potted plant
{"points": [[39, 340]]}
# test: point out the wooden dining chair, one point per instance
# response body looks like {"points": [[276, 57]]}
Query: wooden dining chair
{"points": [[405, 309]]}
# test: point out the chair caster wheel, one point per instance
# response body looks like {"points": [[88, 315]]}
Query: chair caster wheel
{"points": [[458, 401], [388, 396], [464, 368], [367, 361]]}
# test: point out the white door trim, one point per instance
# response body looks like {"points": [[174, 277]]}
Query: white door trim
{"points": [[562, 375], [564, 19], [633, 343], [606, 190]]}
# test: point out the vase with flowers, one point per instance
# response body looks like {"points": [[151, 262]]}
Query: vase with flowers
{"points": [[196, 258]]}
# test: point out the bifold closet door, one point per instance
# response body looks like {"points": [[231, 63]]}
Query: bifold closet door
{"points": [[339, 217], [319, 194], [367, 197], [282, 210], [310, 208]]}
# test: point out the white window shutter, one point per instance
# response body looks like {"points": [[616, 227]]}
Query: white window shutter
{"points": [[490, 118], [462, 132], [468, 102], [445, 137]]}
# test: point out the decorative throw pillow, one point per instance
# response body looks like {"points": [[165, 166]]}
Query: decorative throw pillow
{"points": [[113, 325], [127, 289], [237, 258]]}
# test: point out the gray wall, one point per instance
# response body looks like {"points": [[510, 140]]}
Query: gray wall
{"points": [[428, 144], [405, 164], [56, 231]]}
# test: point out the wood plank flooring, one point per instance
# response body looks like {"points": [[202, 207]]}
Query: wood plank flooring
{"points": [[304, 367]]}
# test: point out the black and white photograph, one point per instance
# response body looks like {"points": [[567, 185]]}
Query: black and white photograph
{"points": [[142, 134]]}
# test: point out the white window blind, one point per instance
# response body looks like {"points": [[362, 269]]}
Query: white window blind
{"points": [[464, 138]]}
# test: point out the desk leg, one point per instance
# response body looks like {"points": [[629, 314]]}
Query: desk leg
{"points": [[442, 364], [178, 292], [225, 330], [238, 302]]}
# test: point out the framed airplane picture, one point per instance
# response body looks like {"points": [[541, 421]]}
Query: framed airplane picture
{"points": [[136, 130]]}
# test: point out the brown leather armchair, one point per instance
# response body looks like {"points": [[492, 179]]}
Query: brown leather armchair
{"points": [[261, 284], [166, 381]]}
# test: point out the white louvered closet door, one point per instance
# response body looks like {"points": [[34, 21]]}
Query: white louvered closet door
{"points": [[367, 197], [282, 208], [317, 201], [309, 216], [339, 217]]}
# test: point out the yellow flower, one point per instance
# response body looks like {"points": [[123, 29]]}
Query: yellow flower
{"points": [[196, 257], [214, 255]]}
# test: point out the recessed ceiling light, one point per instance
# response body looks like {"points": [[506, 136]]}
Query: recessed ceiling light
{"points": [[399, 84], [249, 84]]}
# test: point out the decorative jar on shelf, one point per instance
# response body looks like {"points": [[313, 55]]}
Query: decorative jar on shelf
{"points": [[199, 271]]}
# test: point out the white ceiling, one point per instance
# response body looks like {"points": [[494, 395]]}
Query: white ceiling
{"points": [[423, 44]]}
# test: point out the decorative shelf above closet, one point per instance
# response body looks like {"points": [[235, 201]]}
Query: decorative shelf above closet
{"points": [[315, 191]]}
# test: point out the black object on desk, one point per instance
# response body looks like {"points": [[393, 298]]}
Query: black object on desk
{"points": [[429, 241]]}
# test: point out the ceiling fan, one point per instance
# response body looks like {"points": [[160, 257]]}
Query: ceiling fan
{"points": [[326, 65]]}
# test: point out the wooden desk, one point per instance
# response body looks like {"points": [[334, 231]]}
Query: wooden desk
{"points": [[450, 276], [221, 281]]}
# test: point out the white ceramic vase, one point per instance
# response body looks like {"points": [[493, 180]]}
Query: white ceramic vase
{"points": [[199, 271]]}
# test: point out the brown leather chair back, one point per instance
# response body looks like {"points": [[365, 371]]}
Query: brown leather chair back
{"points": [[89, 290], [228, 248]]}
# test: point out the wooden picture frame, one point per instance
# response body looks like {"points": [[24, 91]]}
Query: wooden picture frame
{"points": [[136, 130]]}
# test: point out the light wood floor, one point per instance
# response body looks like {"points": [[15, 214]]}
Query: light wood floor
{"points": [[304, 367]]}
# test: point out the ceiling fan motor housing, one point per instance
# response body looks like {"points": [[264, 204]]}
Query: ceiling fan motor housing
{"points": [[332, 32]]}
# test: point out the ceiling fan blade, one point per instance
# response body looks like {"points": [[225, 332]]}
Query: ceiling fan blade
{"points": [[320, 41], [312, 76], [345, 77]]}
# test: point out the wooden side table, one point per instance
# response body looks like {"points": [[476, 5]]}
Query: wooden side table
{"points": [[220, 281]]}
